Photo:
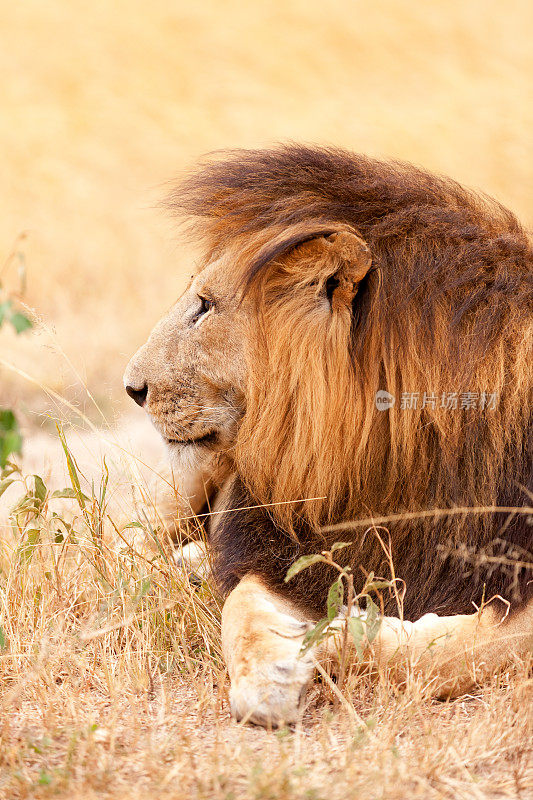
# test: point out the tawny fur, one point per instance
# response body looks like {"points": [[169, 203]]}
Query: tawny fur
{"points": [[325, 277], [444, 304]]}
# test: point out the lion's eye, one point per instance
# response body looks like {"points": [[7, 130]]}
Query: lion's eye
{"points": [[205, 306]]}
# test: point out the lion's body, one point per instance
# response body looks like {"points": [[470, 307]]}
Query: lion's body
{"points": [[355, 276]]}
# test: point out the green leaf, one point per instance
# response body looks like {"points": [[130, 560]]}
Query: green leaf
{"points": [[373, 620], [335, 598], [27, 503], [9, 469], [27, 549], [10, 438], [8, 421], [339, 546], [104, 484], [71, 494], [72, 471], [302, 563], [3, 641], [383, 584], [5, 484], [39, 490], [315, 634], [11, 443], [357, 631], [20, 322]]}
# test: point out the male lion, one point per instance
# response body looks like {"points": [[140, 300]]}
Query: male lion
{"points": [[327, 277]]}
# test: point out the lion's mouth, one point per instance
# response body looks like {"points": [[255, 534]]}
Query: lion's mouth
{"points": [[205, 439]]}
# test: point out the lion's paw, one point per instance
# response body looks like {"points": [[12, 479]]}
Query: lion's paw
{"points": [[269, 673], [272, 694], [193, 558]]}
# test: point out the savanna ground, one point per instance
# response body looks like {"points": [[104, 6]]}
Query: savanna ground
{"points": [[111, 677]]}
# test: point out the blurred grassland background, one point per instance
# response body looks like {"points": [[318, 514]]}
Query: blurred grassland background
{"points": [[102, 103]]}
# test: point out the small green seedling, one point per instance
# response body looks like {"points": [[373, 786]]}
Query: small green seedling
{"points": [[362, 628]]}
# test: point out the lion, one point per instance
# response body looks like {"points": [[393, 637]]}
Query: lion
{"points": [[355, 344]]}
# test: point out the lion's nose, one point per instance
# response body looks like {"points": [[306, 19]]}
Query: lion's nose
{"points": [[139, 395]]}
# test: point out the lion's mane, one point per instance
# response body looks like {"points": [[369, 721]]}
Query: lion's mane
{"points": [[446, 308]]}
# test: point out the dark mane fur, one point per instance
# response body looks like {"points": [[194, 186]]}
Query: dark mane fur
{"points": [[452, 311]]}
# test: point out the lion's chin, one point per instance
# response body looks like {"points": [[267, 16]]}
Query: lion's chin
{"points": [[188, 456]]}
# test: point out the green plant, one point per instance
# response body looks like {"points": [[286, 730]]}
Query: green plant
{"points": [[10, 438], [10, 313], [362, 627]]}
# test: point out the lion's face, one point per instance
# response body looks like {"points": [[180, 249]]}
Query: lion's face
{"points": [[190, 375], [222, 347]]}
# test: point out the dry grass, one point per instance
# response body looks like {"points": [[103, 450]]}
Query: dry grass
{"points": [[113, 684], [111, 678]]}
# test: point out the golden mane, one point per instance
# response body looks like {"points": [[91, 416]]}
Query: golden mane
{"points": [[445, 308]]}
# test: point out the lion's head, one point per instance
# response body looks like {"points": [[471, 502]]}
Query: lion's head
{"points": [[193, 374], [326, 277], [190, 376]]}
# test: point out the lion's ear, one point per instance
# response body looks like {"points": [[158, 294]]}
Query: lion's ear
{"points": [[343, 259], [335, 257]]}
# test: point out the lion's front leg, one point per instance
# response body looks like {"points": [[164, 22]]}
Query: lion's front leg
{"points": [[262, 635]]}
